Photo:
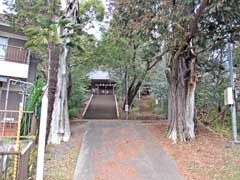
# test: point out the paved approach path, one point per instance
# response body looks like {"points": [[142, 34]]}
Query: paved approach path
{"points": [[102, 107], [114, 150]]}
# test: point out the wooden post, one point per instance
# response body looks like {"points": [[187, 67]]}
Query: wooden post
{"points": [[33, 125], [105, 89], [1, 162], [42, 137], [16, 158], [23, 163]]}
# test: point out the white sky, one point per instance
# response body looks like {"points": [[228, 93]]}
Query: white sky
{"points": [[2, 6]]}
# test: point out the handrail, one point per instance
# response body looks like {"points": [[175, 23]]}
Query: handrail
{"points": [[16, 111], [116, 103], [19, 47], [85, 110]]}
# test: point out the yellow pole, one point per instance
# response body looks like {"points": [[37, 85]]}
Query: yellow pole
{"points": [[16, 158]]}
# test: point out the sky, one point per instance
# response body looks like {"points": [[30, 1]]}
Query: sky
{"points": [[2, 6]]}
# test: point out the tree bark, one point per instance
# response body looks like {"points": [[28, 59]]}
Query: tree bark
{"points": [[60, 128], [132, 91], [181, 98], [53, 64], [59, 123], [182, 79]]}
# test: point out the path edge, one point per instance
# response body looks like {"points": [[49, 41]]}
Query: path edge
{"points": [[81, 157], [85, 110]]}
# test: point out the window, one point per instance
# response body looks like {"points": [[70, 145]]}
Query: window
{"points": [[3, 47]]}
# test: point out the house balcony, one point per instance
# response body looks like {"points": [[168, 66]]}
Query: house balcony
{"points": [[14, 61]]}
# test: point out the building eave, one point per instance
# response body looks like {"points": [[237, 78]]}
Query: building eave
{"points": [[12, 35]]}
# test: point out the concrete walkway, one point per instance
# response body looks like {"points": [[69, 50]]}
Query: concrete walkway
{"points": [[101, 107], [114, 150]]}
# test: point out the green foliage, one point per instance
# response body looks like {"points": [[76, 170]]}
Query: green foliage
{"points": [[32, 103], [35, 95], [81, 62], [92, 10], [158, 83], [78, 92], [159, 89], [37, 19], [213, 78]]}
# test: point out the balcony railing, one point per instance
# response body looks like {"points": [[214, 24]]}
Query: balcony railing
{"points": [[13, 54]]}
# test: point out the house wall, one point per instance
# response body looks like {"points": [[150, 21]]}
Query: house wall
{"points": [[25, 72], [9, 32], [17, 39], [14, 99], [13, 69]]}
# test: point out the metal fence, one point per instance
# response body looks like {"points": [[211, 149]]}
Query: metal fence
{"points": [[9, 123]]}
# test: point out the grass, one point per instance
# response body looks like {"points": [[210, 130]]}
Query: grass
{"points": [[230, 169], [61, 168], [222, 126]]}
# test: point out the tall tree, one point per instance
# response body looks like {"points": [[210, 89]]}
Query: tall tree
{"points": [[52, 24], [39, 20], [60, 126], [135, 22], [202, 22], [181, 30], [71, 20]]}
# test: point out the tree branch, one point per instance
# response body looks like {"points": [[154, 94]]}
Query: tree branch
{"points": [[157, 58], [194, 23]]}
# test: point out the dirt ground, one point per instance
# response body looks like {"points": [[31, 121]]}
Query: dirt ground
{"points": [[144, 111], [61, 159], [208, 157]]}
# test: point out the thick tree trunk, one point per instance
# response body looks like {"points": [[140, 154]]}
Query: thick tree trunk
{"points": [[182, 78], [53, 64], [59, 125], [60, 129], [181, 98]]}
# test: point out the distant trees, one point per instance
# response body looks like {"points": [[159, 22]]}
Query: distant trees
{"points": [[134, 47]]}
